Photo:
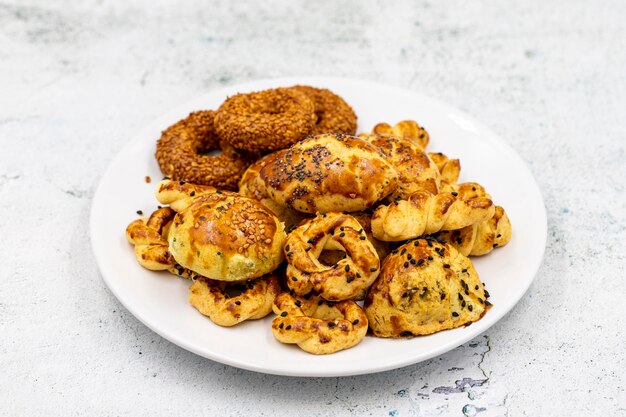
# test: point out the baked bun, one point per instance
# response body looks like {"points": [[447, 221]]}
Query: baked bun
{"points": [[227, 237], [424, 287], [416, 171], [329, 173]]}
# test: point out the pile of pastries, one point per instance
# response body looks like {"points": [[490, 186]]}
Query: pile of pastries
{"points": [[300, 217]]}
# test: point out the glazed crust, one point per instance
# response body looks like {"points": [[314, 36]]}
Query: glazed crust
{"points": [[147, 235], [318, 326], [211, 299], [329, 173], [424, 287], [416, 171], [406, 129], [349, 276], [450, 169], [179, 153], [424, 213], [226, 237], [334, 115], [265, 120]]}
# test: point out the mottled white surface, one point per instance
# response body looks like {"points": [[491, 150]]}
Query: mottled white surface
{"points": [[77, 79]]}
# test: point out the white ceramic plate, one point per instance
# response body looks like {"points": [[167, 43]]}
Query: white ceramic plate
{"points": [[159, 300]]}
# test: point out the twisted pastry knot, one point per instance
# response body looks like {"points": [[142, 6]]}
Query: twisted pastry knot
{"points": [[254, 301], [406, 129], [449, 169], [425, 213], [318, 326], [345, 279], [480, 239], [148, 235]]}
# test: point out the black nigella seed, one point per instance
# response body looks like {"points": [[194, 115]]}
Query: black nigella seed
{"points": [[430, 243], [181, 182], [495, 245], [310, 241], [480, 300], [455, 314], [341, 228], [405, 294], [287, 248], [454, 193], [332, 231], [476, 287], [499, 235], [283, 314], [487, 303], [342, 234], [487, 294], [466, 292], [281, 325], [298, 303], [373, 269], [238, 302], [464, 270], [470, 307], [288, 327], [202, 218], [420, 262], [349, 279], [191, 194], [443, 295], [320, 302], [362, 238], [416, 243], [460, 297], [331, 324], [308, 249], [430, 258], [294, 279], [403, 251], [355, 322], [289, 253], [413, 262], [406, 264], [409, 256], [463, 303], [358, 275], [140, 212], [447, 266]]}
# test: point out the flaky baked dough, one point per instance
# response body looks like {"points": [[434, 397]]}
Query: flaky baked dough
{"points": [[424, 287], [329, 173], [220, 235]]}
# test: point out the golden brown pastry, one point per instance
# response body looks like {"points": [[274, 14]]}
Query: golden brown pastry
{"points": [[224, 236], [425, 213], [148, 235], [450, 169], [252, 186], [416, 171], [255, 300], [318, 326], [341, 281], [406, 129], [424, 287], [480, 239], [329, 173]]}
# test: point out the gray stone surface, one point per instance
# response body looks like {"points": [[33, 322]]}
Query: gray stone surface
{"points": [[77, 79]]}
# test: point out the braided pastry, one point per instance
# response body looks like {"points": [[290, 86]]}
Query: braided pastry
{"points": [[211, 298], [425, 213], [318, 326], [424, 287], [449, 169], [406, 129], [148, 235], [480, 239], [346, 278]]}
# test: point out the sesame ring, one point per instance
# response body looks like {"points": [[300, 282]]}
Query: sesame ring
{"points": [[318, 326], [345, 279], [211, 298], [179, 153], [148, 237], [266, 120], [334, 115]]}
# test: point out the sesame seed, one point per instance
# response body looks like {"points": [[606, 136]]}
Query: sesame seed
{"points": [[480, 300], [430, 258], [463, 303], [443, 295], [476, 287]]}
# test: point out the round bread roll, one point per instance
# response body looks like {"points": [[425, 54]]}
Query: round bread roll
{"points": [[327, 173], [227, 237], [424, 286]]}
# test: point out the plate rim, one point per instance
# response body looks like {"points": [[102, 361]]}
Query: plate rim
{"points": [[313, 80]]}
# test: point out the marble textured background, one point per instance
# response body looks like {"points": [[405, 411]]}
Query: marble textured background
{"points": [[77, 79]]}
